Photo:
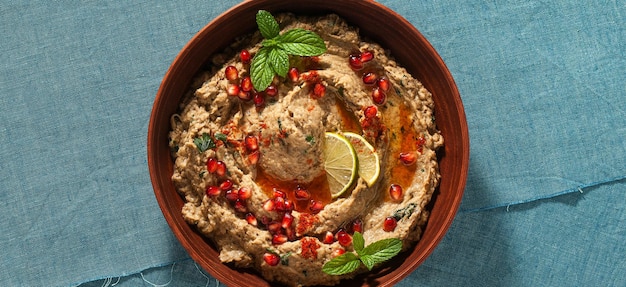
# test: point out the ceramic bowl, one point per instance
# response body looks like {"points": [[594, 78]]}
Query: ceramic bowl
{"points": [[375, 21]]}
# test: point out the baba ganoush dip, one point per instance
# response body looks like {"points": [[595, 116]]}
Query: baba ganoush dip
{"points": [[250, 164]]}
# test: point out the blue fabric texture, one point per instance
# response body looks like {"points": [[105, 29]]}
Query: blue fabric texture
{"points": [[543, 85]]}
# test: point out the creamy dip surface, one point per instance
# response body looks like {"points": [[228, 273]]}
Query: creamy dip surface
{"points": [[259, 189]]}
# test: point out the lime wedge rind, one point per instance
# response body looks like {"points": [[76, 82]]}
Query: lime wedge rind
{"points": [[369, 163], [340, 162]]}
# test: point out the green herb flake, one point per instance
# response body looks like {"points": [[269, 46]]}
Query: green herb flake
{"points": [[204, 142], [284, 259], [273, 57], [310, 139], [405, 211], [221, 137]]}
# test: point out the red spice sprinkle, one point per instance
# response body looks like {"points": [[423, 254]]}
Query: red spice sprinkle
{"points": [[421, 141], [309, 248], [319, 90], [305, 223]]}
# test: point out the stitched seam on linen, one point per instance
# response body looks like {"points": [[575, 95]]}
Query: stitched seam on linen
{"points": [[579, 188]]}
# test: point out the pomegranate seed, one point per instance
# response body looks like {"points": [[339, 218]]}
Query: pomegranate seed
{"points": [[288, 205], [370, 112], [232, 195], [213, 190], [272, 259], [244, 55], [274, 227], [265, 220], [231, 73], [271, 91], [233, 90], [337, 252], [220, 168], [287, 220], [293, 74], [408, 158], [328, 238], [279, 204], [316, 206], [251, 219], [344, 238], [379, 96], [291, 234], [369, 78], [390, 224], [357, 226], [355, 62], [226, 185], [278, 239], [279, 193], [211, 164], [258, 99], [269, 205], [383, 83], [251, 143], [421, 141], [395, 192], [240, 206], [244, 193], [244, 96], [246, 84], [253, 158], [301, 193], [366, 56]]}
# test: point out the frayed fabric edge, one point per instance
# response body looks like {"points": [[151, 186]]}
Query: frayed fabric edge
{"points": [[579, 189], [113, 280]]}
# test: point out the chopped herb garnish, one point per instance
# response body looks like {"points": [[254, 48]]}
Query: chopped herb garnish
{"points": [[370, 255], [310, 139], [221, 137], [273, 57], [284, 259], [204, 142], [405, 212]]}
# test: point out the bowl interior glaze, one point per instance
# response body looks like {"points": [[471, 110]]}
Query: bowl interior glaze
{"points": [[378, 23]]}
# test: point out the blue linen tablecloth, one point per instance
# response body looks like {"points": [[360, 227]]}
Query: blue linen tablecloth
{"points": [[543, 84]]}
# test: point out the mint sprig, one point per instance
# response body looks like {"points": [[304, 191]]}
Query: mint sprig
{"points": [[377, 252], [273, 56]]}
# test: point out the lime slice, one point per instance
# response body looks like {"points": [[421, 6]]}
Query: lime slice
{"points": [[369, 164], [341, 163]]}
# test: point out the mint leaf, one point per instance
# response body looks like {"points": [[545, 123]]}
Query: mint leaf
{"points": [[261, 73], [301, 42], [267, 24], [358, 242], [380, 251], [368, 261], [273, 57], [204, 142], [342, 264], [279, 61]]}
